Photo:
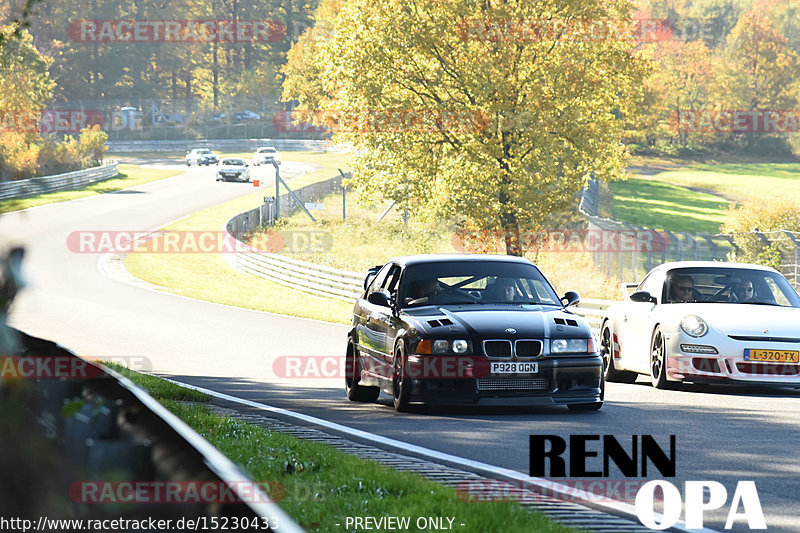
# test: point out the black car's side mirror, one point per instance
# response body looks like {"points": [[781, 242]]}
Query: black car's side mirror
{"points": [[371, 275], [570, 298], [642, 297], [380, 297]]}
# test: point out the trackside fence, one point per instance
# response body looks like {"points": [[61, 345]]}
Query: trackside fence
{"points": [[242, 144], [303, 275], [58, 182]]}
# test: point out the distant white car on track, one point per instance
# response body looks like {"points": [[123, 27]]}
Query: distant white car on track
{"points": [[233, 169], [266, 155], [705, 322], [201, 156]]}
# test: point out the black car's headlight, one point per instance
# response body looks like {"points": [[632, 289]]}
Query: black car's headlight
{"points": [[570, 346], [444, 346]]}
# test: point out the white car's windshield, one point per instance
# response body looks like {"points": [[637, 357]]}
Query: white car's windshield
{"points": [[233, 162], [729, 285]]}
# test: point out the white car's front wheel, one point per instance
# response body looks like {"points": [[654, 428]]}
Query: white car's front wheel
{"points": [[607, 351], [658, 361]]}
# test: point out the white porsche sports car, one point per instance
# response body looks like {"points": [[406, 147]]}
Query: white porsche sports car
{"points": [[705, 322]]}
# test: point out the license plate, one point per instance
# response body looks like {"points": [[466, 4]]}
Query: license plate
{"points": [[514, 368], [772, 356]]}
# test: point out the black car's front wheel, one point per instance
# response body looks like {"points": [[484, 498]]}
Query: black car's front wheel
{"points": [[401, 387], [356, 392]]}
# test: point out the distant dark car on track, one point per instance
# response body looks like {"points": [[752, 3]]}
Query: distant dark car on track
{"points": [[247, 115], [470, 329]]}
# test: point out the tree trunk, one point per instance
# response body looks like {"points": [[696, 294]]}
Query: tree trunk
{"points": [[511, 235]]}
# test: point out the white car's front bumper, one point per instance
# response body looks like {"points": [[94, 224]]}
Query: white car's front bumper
{"points": [[728, 363]]}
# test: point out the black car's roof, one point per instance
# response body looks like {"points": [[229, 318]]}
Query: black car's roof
{"points": [[456, 258]]}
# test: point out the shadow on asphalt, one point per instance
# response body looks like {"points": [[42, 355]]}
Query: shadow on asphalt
{"points": [[763, 391]]}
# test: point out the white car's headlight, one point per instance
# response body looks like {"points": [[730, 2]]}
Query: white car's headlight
{"points": [[694, 325]]}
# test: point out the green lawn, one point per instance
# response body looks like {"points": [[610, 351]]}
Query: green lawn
{"points": [[742, 181], [655, 204], [129, 176], [664, 199]]}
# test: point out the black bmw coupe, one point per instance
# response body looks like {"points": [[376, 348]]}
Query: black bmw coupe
{"points": [[470, 329]]}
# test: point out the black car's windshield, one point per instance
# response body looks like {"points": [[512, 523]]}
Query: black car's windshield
{"points": [[729, 285], [479, 282]]}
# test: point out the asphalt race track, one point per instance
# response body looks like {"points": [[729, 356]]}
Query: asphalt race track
{"points": [[723, 435]]}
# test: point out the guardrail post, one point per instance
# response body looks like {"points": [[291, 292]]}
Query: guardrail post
{"points": [[344, 196]]}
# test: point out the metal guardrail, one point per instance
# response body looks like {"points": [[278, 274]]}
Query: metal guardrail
{"points": [[327, 281], [58, 182], [99, 427], [221, 144], [309, 277], [592, 311]]}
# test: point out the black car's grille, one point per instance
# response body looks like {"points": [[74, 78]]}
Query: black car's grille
{"points": [[497, 348], [528, 348], [485, 384], [504, 348]]}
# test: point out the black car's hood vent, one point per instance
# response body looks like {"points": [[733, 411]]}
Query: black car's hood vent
{"points": [[567, 322], [440, 322]]}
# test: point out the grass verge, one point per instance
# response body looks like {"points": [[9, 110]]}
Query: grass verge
{"points": [[129, 176], [319, 486]]}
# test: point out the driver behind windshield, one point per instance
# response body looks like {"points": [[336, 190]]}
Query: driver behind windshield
{"points": [[422, 291], [681, 289], [502, 290], [743, 290]]}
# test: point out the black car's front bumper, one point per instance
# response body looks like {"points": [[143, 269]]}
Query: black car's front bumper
{"points": [[559, 381]]}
